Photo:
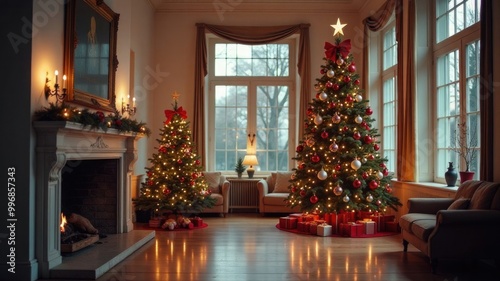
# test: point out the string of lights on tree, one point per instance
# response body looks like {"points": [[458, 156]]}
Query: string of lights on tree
{"points": [[175, 181], [339, 166]]}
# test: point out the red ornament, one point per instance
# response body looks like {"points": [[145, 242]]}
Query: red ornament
{"points": [[317, 95], [194, 175], [346, 129], [313, 199], [315, 158], [385, 172], [300, 148], [357, 82], [338, 167], [191, 183], [388, 189], [182, 179], [179, 161], [347, 79], [368, 111], [197, 162], [150, 182], [302, 193], [373, 185], [302, 166], [331, 105], [382, 165], [356, 135], [329, 84], [324, 134], [351, 68], [336, 87], [294, 189], [368, 139], [118, 122], [356, 183], [376, 147], [166, 191], [371, 157], [322, 71], [348, 98], [365, 175]]}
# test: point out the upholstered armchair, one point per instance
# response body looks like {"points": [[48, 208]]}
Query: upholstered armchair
{"points": [[273, 191], [220, 188]]}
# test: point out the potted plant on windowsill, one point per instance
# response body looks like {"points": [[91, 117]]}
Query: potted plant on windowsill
{"points": [[239, 168], [465, 144]]}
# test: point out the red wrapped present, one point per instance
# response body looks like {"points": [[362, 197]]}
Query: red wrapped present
{"points": [[364, 215], [303, 226], [381, 219], [351, 229], [392, 226], [313, 227], [324, 229], [197, 221], [155, 222], [288, 222]]}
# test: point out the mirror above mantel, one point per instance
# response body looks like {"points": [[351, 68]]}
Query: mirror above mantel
{"points": [[90, 60]]}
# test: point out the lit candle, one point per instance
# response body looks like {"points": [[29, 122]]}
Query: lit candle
{"points": [[56, 73], [64, 81], [133, 100]]}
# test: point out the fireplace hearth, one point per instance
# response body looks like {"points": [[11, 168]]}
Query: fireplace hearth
{"points": [[85, 171]]}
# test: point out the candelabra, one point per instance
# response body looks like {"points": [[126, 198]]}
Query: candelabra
{"points": [[59, 94], [131, 110]]}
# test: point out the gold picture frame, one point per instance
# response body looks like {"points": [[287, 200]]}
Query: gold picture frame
{"points": [[90, 60]]}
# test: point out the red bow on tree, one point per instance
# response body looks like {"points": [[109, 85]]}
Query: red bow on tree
{"points": [[343, 49], [170, 113]]}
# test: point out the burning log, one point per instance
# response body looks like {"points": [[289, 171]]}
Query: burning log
{"points": [[76, 233]]}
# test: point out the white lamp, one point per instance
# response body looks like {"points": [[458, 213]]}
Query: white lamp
{"points": [[250, 159]]}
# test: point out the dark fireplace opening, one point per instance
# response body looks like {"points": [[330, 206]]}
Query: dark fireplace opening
{"points": [[89, 188]]}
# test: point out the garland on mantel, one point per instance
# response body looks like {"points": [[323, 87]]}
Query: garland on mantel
{"points": [[94, 120]]}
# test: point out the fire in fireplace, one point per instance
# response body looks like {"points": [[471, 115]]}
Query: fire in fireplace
{"points": [[78, 234]]}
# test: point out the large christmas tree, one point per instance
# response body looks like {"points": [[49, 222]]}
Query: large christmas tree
{"points": [[175, 181], [339, 167]]}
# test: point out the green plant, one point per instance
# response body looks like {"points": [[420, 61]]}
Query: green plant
{"points": [[240, 168]]}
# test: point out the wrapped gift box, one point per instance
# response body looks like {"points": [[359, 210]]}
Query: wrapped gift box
{"points": [[313, 227], [324, 229], [156, 222], [370, 227], [351, 229], [298, 216], [381, 219], [288, 222], [197, 222], [303, 226]]}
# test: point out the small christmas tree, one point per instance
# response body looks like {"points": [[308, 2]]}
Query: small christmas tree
{"points": [[339, 167], [174, 180]]}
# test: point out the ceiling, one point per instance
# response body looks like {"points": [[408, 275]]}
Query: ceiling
{"points": [[315, 6]]}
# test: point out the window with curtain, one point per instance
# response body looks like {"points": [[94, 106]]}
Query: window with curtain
{"points": [[456, 56], [389, 98], [251, 92]]}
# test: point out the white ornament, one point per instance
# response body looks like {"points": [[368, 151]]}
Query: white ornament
{"points": [[323, 96], [359, 98], [355, 164], [380, 175], [322, 175], [358, 119], [369, 198], [346, 199], [318, 120], [330, 73], [340, 61]]}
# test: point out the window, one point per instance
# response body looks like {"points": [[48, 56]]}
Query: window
{"points": [[456, 54], [389, 99], [251, 92]]}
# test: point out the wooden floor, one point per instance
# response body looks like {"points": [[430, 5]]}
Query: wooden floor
{"points": [[250, 247]]}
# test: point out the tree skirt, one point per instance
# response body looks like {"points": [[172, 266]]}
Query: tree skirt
{"points": [[378, 234]]}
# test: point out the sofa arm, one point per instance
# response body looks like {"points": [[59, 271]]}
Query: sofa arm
{"points": [[263, 188], [428, 205], [468, 218], [226, 189]]}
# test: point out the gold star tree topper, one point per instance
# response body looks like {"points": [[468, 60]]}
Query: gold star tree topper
{"points": [[175, 96], [338, 27]]}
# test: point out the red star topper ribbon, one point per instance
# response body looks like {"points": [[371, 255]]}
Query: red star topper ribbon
{"points": [[170, 114], [343, 49]]}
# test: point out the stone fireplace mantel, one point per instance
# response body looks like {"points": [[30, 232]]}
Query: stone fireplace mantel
{"points": [[58, 142]]}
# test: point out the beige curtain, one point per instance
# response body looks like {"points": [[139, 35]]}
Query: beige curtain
{"points": [[405, 82], [486, 91], [246, 35]]}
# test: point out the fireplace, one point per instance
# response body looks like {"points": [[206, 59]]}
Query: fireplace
{"points": [[90, 188], [85, 171]]}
